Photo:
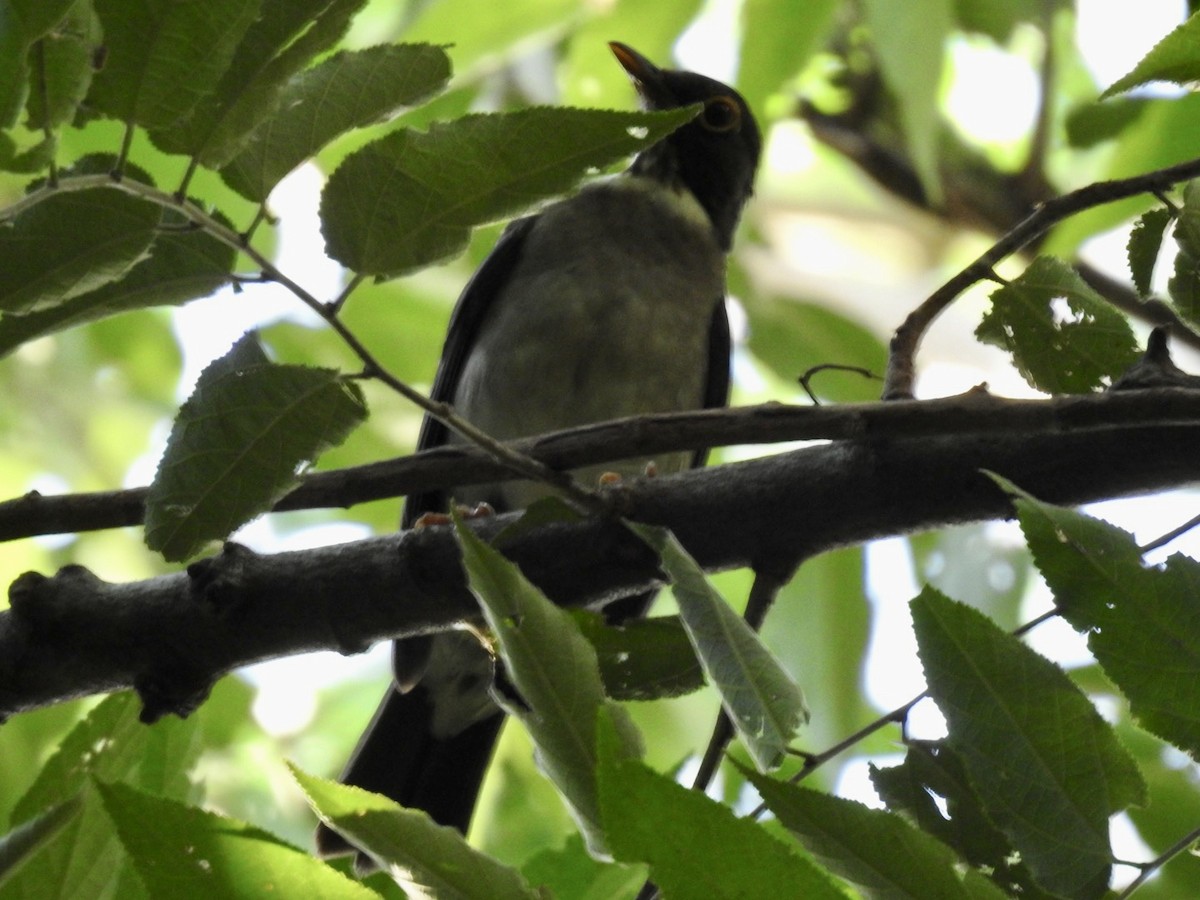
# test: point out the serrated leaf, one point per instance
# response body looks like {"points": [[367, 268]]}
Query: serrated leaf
{"points": [[1046, 766], [1187, 226], [910, 40], [644, 659], [695, 847], [238, 444], [1142, 623], [1062, 335], [184, 852], [111, 743], [764, 703], [281, 42], [1183, 288], [873, 848], [65, 68], [163, 57], [1145, 242], [555, 671], [932, 770], [411, 198], [346, 91], [182, 266], [72, 243], [1175, 58], [83, 858], [429, 860], [22, 22]]}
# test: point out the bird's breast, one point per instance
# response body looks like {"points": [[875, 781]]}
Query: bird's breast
{"points": [[606, 315]]}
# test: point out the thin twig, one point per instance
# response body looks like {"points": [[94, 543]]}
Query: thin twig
{"points": [[1149, 868], [806, 378], [1171, 535], [813, 761], [901, 371], [443, 412]]}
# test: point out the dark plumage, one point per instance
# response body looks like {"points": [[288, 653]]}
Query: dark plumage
{"points": [[609, 303]]}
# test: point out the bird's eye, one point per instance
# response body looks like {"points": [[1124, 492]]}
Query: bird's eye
{"points": [[721, 114]]}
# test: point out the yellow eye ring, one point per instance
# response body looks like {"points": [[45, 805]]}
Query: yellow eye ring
{"points": [[721, 114]]}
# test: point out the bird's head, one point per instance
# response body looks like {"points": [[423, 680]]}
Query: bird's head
{"points": [[715, 155]]}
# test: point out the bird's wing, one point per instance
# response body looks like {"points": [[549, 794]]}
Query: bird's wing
{"points": [[469, 313]]}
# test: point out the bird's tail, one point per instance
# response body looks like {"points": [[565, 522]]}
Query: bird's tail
{"points": [[400, 756]]}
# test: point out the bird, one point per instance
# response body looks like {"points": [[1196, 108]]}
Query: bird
{"points": [[606, 304]]}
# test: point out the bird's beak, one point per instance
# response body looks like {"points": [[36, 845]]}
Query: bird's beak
{"points": [[646, 77]]}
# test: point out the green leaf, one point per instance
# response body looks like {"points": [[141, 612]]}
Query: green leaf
{"points": [[765, 705], [695, 847], [182, 265], [821, 622], [555, 671], [1141, 622], [1092, 124], [569, 872], [185, 852], [792, 338], [112, 744], [1073, 348], [934, 770], [644, 659], [411, 198], [1145, 242], [29, 160], [71, 243], [348, 90], [83, 858], [22, 22], [1183, 288], [777, 40], [276, 46], [27, 839], [910, 40], [66, 62], [238, 444], [1163, 136], [589, 74], [494, 27], [997, 20], [1047, 768], [873, 848], [428, 859], [163, 57], [1175, 58]]}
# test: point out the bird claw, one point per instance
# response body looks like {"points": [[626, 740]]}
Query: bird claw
{"points": [[433, 519]]}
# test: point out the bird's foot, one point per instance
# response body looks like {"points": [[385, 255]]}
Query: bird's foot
{"points": [[433, 519]]}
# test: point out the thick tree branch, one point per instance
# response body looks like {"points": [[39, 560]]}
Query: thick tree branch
{"points": [[73, 634], [978, 412]]}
